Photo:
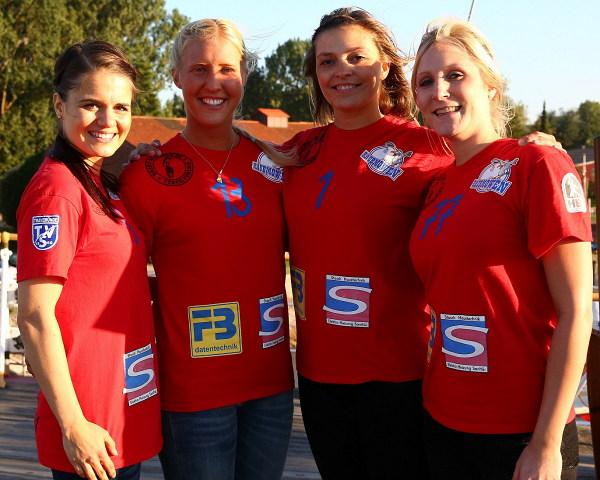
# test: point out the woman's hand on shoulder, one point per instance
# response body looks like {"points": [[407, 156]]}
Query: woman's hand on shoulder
{"points": [[89, 448], [540, 138], [145, 150], [539, 463]]}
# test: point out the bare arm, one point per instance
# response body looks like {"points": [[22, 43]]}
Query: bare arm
{"points": [[87, 445], [568, 270]]}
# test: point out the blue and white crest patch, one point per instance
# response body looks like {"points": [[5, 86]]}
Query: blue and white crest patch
{"points": [[495, 177], [267, 168], [44, 231], [386, 159]]}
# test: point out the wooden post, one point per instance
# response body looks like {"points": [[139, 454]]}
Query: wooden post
{"points": [[593, 358]]}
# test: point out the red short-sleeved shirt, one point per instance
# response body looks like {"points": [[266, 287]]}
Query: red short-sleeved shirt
{"points": [[217, 249], [359, 304], [477, 247], [104, 313]]}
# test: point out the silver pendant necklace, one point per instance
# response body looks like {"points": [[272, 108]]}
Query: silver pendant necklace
{"points": [[218, 173]]}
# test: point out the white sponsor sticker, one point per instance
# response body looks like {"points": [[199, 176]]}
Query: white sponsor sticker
{"points": [[573, 194]]}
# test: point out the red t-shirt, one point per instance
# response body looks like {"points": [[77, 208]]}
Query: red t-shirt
{"points": [[477, 247], [217, 249], [104, 313], [359, 304]]}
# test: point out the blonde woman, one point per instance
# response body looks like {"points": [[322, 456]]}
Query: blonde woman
{"points": [[211, 213], [503, 248]]}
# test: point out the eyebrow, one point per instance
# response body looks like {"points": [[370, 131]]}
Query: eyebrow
{"points": [[352, 50]]}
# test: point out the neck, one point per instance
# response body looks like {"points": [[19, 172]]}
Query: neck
{"points": [[220, 137], [352, 120], [464, 150], [94, 164]]}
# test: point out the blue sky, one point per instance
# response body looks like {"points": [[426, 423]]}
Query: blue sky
{"points": [[548, 50]]}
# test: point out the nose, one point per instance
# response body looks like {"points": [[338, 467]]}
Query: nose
{"points": [[212, 81], [440, 91], [343, 69], [105, 117]]}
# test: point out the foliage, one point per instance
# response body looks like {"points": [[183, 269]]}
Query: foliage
{"points": [[34, 33], [281, 83], [174, 107], [573, 128], [517, 127]]}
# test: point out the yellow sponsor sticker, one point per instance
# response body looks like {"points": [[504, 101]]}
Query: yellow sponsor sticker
{"points": [[298, 289], [215, 330]]}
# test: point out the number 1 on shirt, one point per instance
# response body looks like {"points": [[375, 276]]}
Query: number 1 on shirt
{"points": [[326, 179]]}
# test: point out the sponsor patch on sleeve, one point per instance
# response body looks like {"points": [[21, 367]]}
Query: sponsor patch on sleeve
{"points": [[215, 329], [464, 342], [347, 301], [272, 331], [140, 378], [44, 231], [573, 194]]}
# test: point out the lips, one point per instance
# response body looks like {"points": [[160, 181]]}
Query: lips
{"points": [[213, 102], [343, 87], [102, 136], [446, 110]]}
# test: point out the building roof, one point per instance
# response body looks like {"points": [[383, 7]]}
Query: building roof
{"points": [[273, 112], [145, 129]]}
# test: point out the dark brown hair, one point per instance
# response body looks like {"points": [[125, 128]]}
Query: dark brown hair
{"points": [[396, 97], [75, 62]]}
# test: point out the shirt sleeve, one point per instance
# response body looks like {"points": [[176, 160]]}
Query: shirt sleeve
{"points": [[136, 195], [50, 229], [556, 206]]}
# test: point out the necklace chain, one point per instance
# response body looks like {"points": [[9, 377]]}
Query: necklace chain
{"points": [[218, 173]]}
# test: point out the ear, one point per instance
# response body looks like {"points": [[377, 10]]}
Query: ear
{"points": [[385, 70], [59, 106], [492, 93], [175, 75]]}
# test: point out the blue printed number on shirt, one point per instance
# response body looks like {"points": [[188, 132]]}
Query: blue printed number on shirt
{"points": [[326, 179], [443, 210], [236, 201]]}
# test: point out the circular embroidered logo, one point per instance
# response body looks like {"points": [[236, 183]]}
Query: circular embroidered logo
{"points": [[170, 169]]}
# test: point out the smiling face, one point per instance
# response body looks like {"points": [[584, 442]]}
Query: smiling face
{"points": [[95, 117], [350, 72], [453, 97], [211, 79]]}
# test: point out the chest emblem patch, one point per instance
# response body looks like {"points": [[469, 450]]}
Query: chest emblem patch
{"points": [[267, 168], [495, 177], [386, 160]]}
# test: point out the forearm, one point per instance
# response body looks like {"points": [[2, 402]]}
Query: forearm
{"points": [[46, 356], [566, 360]]}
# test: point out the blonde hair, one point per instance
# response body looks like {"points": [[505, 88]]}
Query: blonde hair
{"points": [[466, 37], [209, 28], [395, 98]]}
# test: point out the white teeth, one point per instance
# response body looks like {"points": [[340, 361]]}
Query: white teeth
{"points": [[441, 111], [344, 87], [213, 101], [102, 136]]}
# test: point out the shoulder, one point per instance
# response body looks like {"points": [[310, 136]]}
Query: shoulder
{"points": [[53, 178]]}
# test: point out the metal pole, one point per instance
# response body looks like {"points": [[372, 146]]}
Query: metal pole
{"points": [[471, 10]]}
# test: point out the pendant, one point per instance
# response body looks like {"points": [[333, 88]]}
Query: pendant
{"points": [[219, 179]]}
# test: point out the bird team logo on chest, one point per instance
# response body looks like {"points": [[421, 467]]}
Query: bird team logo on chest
{"points": [[495, 177], [267, 168], [386, 160], [44, 231]]}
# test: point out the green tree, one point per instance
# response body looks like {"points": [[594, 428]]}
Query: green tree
{"points": [[287, 87], [568, 129], [255, 95], [174, 107], [34, 33], [589, 116], [517, 127]]}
